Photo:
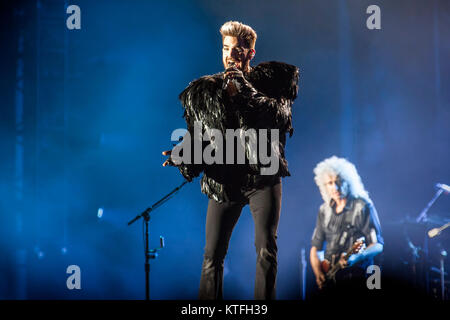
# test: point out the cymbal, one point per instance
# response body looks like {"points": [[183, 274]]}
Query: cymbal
{"points": [[439, 220], [431, 220]]}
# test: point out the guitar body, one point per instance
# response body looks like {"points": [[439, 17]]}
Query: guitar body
{"points": [[331, 270], [325, 266]]}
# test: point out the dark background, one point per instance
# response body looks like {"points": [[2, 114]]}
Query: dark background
{"points": [[86, 113]]}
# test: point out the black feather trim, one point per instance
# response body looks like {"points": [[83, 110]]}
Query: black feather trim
{"points": [[265, 101]]}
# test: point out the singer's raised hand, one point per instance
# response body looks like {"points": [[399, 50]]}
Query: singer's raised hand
{"points": [[230, 74], [169, 161]]}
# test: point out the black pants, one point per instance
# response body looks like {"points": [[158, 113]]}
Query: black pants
{"points": [[265, 206]]}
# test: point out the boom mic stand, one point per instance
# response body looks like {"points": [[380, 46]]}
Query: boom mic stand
{"points": [[423, 214], [152, 254], [423, 217], [443, 255]]}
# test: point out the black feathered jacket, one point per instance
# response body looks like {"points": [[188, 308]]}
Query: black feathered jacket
{"points": [[264, 101]]}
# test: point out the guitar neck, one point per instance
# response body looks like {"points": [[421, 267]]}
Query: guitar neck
{"points": [[445, 226], [336, 265], [348, 253]]}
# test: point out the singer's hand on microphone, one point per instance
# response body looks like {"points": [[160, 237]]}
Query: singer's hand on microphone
{"points": [[169, 161], [232, 73]]}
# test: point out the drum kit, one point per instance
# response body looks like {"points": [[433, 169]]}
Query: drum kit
{"points": [[418, 248]]}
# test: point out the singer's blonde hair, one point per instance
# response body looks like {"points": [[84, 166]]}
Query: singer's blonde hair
{"points": [[240, 31]]}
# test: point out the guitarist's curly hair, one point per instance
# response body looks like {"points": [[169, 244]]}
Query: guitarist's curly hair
{"points": [[346, 171]]}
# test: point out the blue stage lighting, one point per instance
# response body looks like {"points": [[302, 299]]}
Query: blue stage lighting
{"points": [[100, 212]]}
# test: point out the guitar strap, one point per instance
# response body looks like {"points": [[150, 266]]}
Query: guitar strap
{"points": [[349, 232], [349, 235]]}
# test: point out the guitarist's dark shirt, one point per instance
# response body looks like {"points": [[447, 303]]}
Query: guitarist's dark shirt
{"points": [[339, 231]]}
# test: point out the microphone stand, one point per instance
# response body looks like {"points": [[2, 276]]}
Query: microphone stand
{"points": [[443, 254], [304, 265], [423, 214], [152, 254]]}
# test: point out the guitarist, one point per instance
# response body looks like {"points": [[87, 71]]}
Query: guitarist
{"points": [[346, 215]]}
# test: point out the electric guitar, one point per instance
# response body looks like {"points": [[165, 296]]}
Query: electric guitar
{"points": [[331, 270]]}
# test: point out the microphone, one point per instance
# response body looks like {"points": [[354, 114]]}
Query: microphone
{"points": [[227, 80], [443, 187], [230, 64]]}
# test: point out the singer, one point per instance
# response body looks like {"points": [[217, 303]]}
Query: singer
{"points": [[243, 97], [346, 215]]}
